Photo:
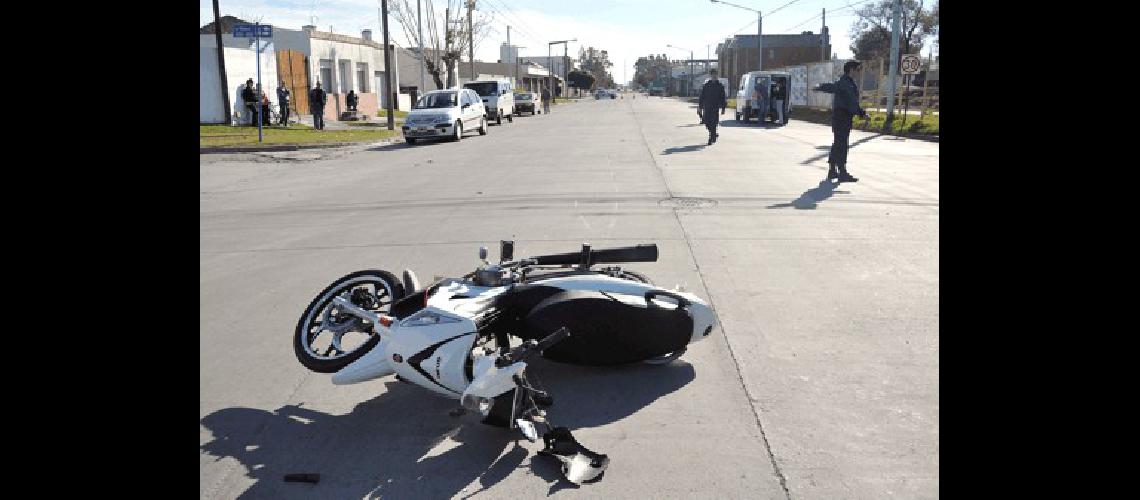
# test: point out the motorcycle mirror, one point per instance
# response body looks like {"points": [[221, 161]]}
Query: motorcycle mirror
{"points": [[482, 253], [528, 430], [506, 250]]}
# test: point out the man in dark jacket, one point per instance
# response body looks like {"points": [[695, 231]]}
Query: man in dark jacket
{"points": [[283, 101], [351, 100], [712, 97], [317, 104], [844, 107], [249, 97], [546, 101]]}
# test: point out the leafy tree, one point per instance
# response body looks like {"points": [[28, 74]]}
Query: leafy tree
{"points": [[871, 32], [580, 79], [597, 63]]}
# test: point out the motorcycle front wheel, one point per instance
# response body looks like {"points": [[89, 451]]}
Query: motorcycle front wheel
{"points": [[327, 339]]}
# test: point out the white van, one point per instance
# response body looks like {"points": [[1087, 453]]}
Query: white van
{"points": [[754, 99], [498, 97]]}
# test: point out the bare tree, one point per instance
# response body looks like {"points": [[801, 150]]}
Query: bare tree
{"points": [[446, 37]]}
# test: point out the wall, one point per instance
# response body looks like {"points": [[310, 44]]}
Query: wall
{"points": [[240, 65]]}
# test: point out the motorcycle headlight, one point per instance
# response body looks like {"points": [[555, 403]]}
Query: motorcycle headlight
{"points": [[476, 403]]}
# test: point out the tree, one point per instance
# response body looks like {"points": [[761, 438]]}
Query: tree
{"points": [[580, 79], [871, 32], [597, 63], [443, 49], [650, 69]]}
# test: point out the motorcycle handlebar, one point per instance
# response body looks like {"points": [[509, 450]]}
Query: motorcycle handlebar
{"points": [[638, 253], [524, 351]]}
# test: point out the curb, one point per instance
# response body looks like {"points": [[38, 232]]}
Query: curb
{"points": [[285, 147]]}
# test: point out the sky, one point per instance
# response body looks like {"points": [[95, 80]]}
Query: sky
{"points": [[628, 29]]}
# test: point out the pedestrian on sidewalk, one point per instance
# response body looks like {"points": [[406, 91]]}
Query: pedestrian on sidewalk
{"points": [[351, 99], [546, 101], [283, 101], [844, 108], [317, 103], [265, 116], [712, 97], [249, 98]]}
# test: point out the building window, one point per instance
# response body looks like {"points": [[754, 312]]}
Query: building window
{"points": [[326, 75], [362, 76], [345, 76]]}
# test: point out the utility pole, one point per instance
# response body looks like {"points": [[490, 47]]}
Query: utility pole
{"points": [[423, 61], [508, 53], [894, 64], [221, 61], [823, 38], [471, 38], [565, 65], [389, 95]]}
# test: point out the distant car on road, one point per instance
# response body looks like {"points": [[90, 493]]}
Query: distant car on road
{"points": [[528, 101], [445, 114]]}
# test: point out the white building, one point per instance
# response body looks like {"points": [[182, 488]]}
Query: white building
{"points": [[340, 63]]}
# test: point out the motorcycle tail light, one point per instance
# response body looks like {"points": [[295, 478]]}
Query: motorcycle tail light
{"points": [[386, 321]]}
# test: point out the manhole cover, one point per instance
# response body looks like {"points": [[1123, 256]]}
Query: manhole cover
{"points": [[683, 202]]}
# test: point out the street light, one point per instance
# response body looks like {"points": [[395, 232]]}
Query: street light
{"points": [[689, 84], [565, 56], [759, 23]]}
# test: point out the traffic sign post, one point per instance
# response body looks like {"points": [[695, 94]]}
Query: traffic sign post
{"points": [[911, 64], [256, 31]]}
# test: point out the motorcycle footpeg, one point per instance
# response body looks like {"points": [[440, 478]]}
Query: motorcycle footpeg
{"points": [[543, 400], [579, 464]]}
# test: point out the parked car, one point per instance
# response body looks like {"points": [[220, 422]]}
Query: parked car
{"points": [[528, 101], [753, 100], [445, 114], [497, 97]]}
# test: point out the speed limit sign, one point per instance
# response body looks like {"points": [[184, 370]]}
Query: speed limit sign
{"points": [[911, 64]]}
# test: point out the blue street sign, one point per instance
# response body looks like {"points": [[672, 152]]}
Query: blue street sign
{"points": [[253, 30]]}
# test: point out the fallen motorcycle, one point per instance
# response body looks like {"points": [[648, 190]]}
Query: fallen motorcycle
{"points": [[454, 336]]}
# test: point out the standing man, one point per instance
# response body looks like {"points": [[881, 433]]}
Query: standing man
{"points": [[545, 100], [283, 101], [712, 97], [351, 100], [249, 97], [844, 107], [317, 103]]}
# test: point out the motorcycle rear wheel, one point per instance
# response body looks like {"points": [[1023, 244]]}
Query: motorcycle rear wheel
{"points": [[374, 290]]}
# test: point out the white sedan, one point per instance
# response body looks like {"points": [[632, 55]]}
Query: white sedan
{"points": [[445, 113]]}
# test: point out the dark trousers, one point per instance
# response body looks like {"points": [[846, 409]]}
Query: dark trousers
{"points": [[319, 118], [284, 114], [711, 120], [252, 114], [838, 155]]}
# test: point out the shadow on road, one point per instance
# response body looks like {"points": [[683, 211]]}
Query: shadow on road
{"points": [[740, 124], [811, 198], [390, 147], [683, 149], [404, 444], [821, 156]]}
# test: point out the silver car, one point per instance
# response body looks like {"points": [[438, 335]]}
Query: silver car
{"points": [[447, 114], [527, 101]]}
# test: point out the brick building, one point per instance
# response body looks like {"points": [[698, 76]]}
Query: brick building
{"points": [[737, 55]]}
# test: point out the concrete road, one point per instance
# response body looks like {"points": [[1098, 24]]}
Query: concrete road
{"points": [[822, 381]]}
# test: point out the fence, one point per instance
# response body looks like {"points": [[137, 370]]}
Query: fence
{"points": [[871, 84]]}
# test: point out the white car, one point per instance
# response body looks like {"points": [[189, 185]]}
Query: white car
{"points": [[528, 101], [445, 113], [497, 97]]}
